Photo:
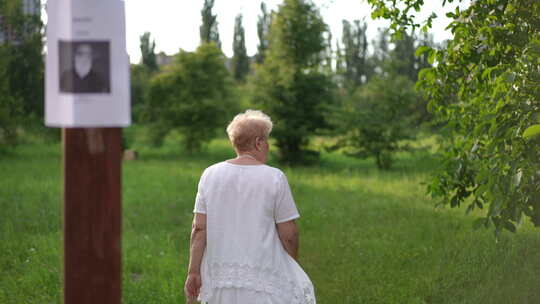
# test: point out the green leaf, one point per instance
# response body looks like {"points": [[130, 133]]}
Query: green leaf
{"points": [[470, 208], [454, 201], [432, 57], [479, 204], [510, 226], [475, 147], [483, 174], [487, 73], [495, 207], [481, 189], [535, 48], [421, 50], [510, 77], [517, 178], [531, 131]]}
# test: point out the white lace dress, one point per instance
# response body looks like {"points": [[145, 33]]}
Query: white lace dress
{"points": [[244, 261]]}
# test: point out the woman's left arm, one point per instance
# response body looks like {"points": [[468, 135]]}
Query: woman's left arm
{"points": [[196, 249]]}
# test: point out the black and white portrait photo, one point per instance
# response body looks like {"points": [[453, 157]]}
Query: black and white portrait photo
{"points": [[84, 66]]}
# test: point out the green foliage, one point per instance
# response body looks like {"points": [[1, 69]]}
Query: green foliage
{"points": [[355, 53], [289, 84], [403, 57], [140, 76], [264, 22], [21, 72], [240, 60], [327, 56], [192, 96], [404, 60], [148, 55], [339, 66], [140, 83], [23, 56], [374, 119], [208, 30], [376, 115], [381, 52], [24, 62], [10, 111], [402, 14], [484, 88], [531, 131]]}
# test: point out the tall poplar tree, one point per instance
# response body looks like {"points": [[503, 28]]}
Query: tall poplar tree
{"points": [[209, 28], [148, 55], [402, 57], [263, 28], [328, 55], [339, 65], [240, 61], [381, 52], [355, 52]]}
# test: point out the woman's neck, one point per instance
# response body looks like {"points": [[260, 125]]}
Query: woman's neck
{"points": [[246, 158]]}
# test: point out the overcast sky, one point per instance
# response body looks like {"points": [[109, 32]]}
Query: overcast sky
{"points": [[174, 24]]}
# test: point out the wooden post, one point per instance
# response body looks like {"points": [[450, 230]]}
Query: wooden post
{"points": [[92, 215]]}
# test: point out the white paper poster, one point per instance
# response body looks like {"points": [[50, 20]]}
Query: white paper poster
{"points": [[87, 66]]}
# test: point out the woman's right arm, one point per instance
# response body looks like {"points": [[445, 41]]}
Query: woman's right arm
{"points": [[193, 282], [289, 236]]}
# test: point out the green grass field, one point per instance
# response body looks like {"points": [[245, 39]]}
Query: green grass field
{"points": [[366, 236]]}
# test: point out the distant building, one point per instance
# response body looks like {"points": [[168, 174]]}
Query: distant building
{"points": [[29, 7], [164, 59]]}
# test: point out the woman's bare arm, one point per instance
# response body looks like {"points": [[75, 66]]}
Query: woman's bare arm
{"points": [[197, 243], [289, 236], [196, 250]]}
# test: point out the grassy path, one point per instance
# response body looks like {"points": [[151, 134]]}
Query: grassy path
{"points": [[366, 236]]}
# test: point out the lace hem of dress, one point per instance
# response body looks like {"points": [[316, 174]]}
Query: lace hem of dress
{"points": [[233, 275]]}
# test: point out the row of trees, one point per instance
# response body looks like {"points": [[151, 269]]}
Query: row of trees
{"points": [[360, 93], [297, 76], [482, 88]]}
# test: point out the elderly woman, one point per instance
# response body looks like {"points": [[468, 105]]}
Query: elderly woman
{"points": [[244, 242]]}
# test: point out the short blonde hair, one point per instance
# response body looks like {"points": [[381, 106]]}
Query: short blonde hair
{"points": [[247, 126]]}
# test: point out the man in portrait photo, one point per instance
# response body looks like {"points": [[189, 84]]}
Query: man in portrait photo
{"points": [[84, 67]]}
